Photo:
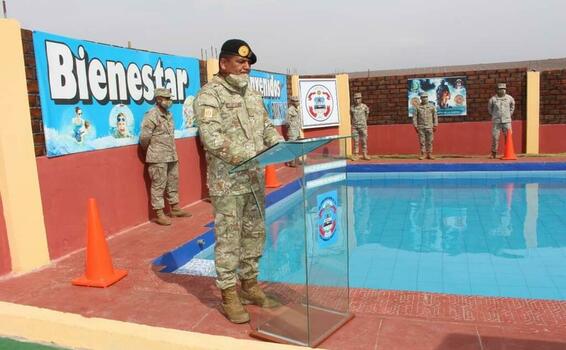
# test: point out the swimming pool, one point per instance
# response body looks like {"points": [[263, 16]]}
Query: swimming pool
{"points": [[467, 232]]}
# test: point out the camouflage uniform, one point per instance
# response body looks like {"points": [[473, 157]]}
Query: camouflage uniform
{"points": [[234, 126], [294, 119], [424, 120], [360, 115], [501, 109], [157, 138]]}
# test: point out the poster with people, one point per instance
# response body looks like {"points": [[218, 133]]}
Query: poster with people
{"points": [[273, 88], [94, 96], [447, 94]]}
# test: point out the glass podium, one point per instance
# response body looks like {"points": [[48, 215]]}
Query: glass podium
{"points": [[305, 263]]}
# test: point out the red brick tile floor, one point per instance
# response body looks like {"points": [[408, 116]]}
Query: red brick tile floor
{"points": [[383, 319]]}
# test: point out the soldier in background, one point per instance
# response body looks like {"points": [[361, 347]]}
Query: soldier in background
{"points": [[233, 127], [501, 107], [359, 113], [294, 122], [425, 122], [157, 139]]}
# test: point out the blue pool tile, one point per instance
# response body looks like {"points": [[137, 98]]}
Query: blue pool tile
{"points": [[457, 288], [486, 268], [429, 287], [545, 293], [514, 291], [489, 290], [483, 278], [430, 275], [510, 279], [539, 280]]}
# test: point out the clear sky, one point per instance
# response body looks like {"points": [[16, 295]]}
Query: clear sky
{"points": [[316, 36]]}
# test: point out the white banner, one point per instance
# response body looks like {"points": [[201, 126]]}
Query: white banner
{"points": [[319, 103]]}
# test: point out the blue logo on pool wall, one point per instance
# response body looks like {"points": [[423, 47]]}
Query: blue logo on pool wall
{"points": [[327, 218], [94, 96]]}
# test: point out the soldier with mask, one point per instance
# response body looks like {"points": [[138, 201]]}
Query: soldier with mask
{"points": [[425, 122], [360, 113], [234, 126], [294, 122], [157, 139], [501, 107]]}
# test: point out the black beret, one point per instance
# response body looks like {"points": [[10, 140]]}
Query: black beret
{"points": [[237, 47]]}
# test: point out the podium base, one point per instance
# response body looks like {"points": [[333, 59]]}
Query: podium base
{"points": [[289, 325]]}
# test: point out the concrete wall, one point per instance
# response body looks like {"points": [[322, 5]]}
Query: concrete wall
{"points": [[5, 263]]}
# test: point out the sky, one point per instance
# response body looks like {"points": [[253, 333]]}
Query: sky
{"points": [[316, 36]]}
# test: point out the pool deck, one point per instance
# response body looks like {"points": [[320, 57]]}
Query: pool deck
{"points": [[383, 319]]}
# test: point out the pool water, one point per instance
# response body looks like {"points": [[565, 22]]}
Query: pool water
{"points": [[470, 233]]}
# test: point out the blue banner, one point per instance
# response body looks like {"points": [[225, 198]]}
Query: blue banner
{"points": [[327, 219], [273, 87], [447, 94], [94, 96]]}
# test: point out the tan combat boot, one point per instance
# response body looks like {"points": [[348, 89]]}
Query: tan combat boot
{"points": [[232, 308], [354, 157], [176, 211], [429, 156], [162, 219], [421, 156], [366, 157], [493, 155], [252, 294]]}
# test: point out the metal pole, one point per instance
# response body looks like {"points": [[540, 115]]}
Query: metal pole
{"points": [[4, 9]]}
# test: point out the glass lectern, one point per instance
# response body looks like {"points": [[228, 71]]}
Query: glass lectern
{"points": [[305, 263]]}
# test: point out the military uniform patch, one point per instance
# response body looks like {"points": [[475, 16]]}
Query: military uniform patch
{"points": [[244, 51], [208, 112]]}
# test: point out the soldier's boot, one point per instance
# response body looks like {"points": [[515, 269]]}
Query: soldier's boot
{"points": [[252, 294], [365, 156], [429, 156], [162, 219], [292, 164], [232, 308], [176, 211], [421, 156], [354, 156], [493, 155]]}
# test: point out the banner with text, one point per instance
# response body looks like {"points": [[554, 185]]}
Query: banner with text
{"points": [[447, 94], [319, 102], [273, 87], [94, 96]]}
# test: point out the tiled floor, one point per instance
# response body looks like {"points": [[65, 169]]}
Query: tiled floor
{"points": [[384, 319]]}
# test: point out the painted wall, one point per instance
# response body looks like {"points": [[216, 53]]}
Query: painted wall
{"points": [[117, 178], [471, 138], [552, 138], [5, 262]]}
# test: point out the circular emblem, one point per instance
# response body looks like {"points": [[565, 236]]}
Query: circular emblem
{"points": [[327, 219], [319, 103], [459, 99], [244, 51]]}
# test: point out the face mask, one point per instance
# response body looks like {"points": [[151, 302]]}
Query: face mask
{"points": [[239, 81], [166, 104]]}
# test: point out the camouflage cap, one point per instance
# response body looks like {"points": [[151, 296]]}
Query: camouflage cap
{"points": [[358, 95], [237, 47], [501, 86], [162, 92], [294, 99], [423, 94]]}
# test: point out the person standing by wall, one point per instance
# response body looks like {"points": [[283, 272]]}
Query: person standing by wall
{"points": [[359, 113], [157, 139], [501, 107], [425, 122], [233, 127]]}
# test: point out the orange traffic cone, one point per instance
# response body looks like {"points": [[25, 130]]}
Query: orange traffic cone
{"points": [[99, 270], [509, 148], [271, 180]]}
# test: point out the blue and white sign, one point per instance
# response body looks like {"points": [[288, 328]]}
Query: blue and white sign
{"points": [[273, 87], [327, 218], [94, 96]]}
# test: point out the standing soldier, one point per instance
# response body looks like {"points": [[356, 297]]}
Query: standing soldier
{"points": [[294, 122], [425, 122], [158, 141], [360, 113], [501, 108], [234, 126]]}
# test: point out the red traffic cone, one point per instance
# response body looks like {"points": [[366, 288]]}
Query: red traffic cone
{"points": [[271, 180], [99, 270], [509, 148]]}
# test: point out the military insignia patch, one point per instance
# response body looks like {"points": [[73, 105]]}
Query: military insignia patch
{"points": [[244, 51], [208, 112]]}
